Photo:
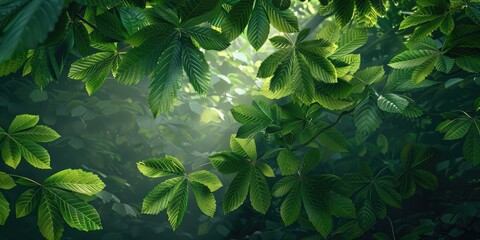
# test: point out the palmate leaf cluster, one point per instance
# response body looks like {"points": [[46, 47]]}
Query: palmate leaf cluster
{"points": [[58, 198], [250, 178], [21, 140], [56, 201], [172, 194]]}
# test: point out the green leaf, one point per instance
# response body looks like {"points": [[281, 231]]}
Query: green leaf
{"points": [[205, 199], [281, 4], [468, 63], [422, 16], [425, 179], [13, 64], [473, 12], [237, 190], [6, 182], [283, 186], [270, 64], [98, 3], [258, 26], [423, 43], [38, 133], [343, 11], [4, 209], [35, 154], [291, 206], [388, 195], [133, 18], [81, 38], [282, 76], [243, 147], [11, 153], [391, 102], [29, 26], [321, 68], [320, 47], [194, 12], [166, 77], [317, 211], [412, 58], [94, 68], [178, 204], [332, 103], [447, 25], [287, 162], [249, 115], [208, 38], [77, 181], [333, 140], [304, 83], [27, 201], [110, 25], [342, 206], [444, 64], [161, 167], [370, 75], [260, 197], [237, 19], [471, 147], [421, 72], [366, 218], [280, 42], [196, 67], [22, 122], [207, 179], [458, 129], [266, 170], [330, 32], [50, 220], [142, 60], [226, 162], [77, 213], [349, 41], [283, 21], [158, 198], [367, 117]]}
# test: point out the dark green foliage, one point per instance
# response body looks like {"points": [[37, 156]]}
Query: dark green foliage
{"points": [[349, 144]]}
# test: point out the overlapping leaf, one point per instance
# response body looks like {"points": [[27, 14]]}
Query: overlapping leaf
{"points": [[21, 138], [257, 15], [250, 176], [172, 194], [28, 26]]}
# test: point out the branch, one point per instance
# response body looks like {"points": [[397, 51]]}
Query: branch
{"points": [[320, 131], [85, 21]]}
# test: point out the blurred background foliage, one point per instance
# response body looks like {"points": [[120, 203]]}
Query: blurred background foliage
{"points": [[108, 132]]}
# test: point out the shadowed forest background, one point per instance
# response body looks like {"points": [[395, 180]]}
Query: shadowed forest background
{"points": [[239, 119]]}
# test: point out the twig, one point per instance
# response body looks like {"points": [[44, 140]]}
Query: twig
{"points": [[321, 131], [85, 21]]}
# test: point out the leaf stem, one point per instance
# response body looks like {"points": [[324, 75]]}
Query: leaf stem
{"points": [[378, 174], [25, 178], [391, 227], [289, 38], [201, 165]]}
